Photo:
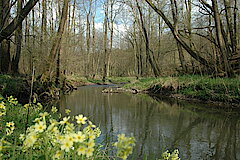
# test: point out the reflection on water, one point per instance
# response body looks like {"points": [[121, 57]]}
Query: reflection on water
{"points": [[158, 125]]}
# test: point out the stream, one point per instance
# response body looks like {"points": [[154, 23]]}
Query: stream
{"points": [[197, 130]]}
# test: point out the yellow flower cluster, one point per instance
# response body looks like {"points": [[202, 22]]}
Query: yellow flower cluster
{"points": [[54, 109], [61, 137], [9, 128], [67, 111], [12, 100], [2, 109], [124, 146], [171, 156], [81, 119]]}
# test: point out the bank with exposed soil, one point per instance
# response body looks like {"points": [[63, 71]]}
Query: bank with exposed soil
{"points": [[203, 88], [42, 90]]}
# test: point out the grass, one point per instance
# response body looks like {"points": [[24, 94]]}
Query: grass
{"points": [[117, 80], [80, 81], [200, 87]]}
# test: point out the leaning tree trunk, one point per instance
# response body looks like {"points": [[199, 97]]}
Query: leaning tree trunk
{"points": [[176, 35], [179, 47], [7, 31], [57, 41], [149, 53]]}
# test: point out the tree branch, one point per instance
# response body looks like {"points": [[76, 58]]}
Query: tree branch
{"points": [[7, 31]]}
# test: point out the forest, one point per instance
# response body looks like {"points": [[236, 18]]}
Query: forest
{"points": [[183, 49], [120, 38]]}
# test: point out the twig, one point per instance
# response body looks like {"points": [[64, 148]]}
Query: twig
{"points": [[30, 98]]}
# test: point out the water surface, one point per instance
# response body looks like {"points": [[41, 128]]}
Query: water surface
{"points": [[159, 124]]}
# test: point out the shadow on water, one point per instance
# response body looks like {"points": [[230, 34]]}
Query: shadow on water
{"points": [[159, 124]]}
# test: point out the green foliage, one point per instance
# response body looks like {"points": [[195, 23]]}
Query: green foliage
{"points": [[215, 89], [12, 123], [117, 80], [16, 87], [200, 87], [142, 83]]}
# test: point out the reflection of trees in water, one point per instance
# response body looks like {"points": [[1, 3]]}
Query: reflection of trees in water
{"points": [[225, 147], [149, 110], [196, 132]]}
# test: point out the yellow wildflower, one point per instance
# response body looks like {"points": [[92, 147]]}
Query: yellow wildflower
{"points": [[90, 124], [43, 114], [1, 145], [89, 152], [26, 106], [2, 113], [2, 109], [67, 111], [59, 137], [12, 100], [22, 137], [69, 138], [37, 120], [39, 106], [10, 128], [91, 137], [54, 109], [121, 137], [58, 155], [81, 119], [66, 145], [97, 132], [91, 144], [79, 137], [10, 124], [2, 105], [55, 130], [65, 120], [69, 128], [30, 140], [81, 150], [39, 127]]}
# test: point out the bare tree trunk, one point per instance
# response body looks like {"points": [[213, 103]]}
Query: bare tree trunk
{"points": [[229, 25], [220, 39], [175, 19], [235, 31], [94, 57], [4, 44], [9, 29], [44, 23], [149, 53], [88, 40], [135, 47], [105, 41], [111, 27], [18, 32], [57, 42], [176, 35], [31, 60]]}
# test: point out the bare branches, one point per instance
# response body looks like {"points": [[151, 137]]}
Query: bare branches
{"points": [[7, 31]]}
